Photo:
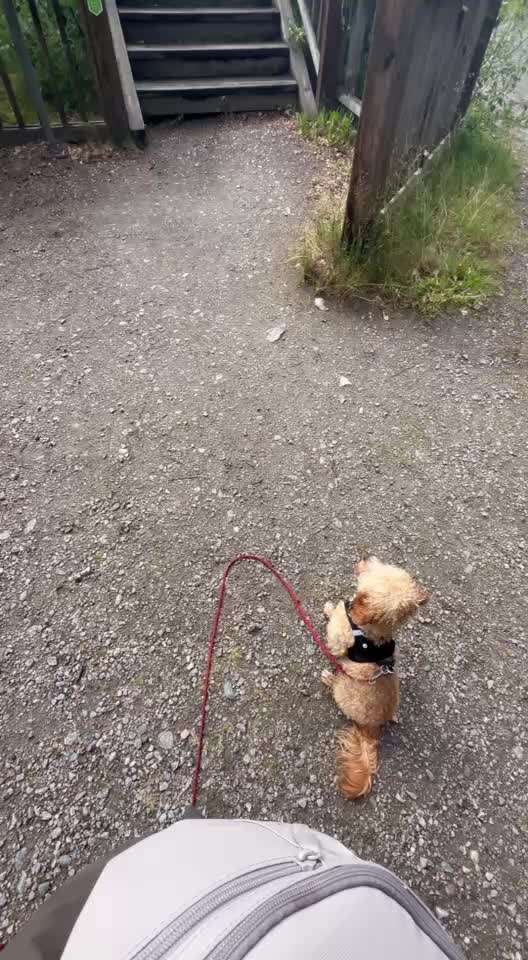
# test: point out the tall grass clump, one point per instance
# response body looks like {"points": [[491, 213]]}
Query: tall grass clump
{"points": [[333, 127], [443, 244]]}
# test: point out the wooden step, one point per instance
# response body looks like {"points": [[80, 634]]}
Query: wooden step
{"points": [[177, 61], [184, 25], [165, 98]]}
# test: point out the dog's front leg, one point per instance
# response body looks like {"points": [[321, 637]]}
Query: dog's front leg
{"points": [[328, 678], [339, 635]]}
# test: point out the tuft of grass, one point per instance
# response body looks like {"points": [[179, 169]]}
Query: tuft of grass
{"points": [[334, 127], [440, 246]]}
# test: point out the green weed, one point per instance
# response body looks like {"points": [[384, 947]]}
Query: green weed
{"points": [[296, 34], [439, 246], [334, 127]]}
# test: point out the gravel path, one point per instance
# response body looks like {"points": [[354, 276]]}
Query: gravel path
{"points": [[150, 431]]}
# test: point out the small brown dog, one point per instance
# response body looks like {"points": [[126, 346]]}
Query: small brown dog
{"points": [[361, 633]]}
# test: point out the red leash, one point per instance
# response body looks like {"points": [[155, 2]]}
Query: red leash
{"points": [[301, 613]]}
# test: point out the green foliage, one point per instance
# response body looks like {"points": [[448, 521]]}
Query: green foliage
{"points": [[505, 68], [296, 35], [439, 246], [334, 127], [74, 89]]}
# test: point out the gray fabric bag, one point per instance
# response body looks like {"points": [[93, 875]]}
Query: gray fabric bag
{"points": [[229, 889]]}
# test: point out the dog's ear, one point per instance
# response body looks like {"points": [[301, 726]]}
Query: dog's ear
{"points": [[422, 595], [360, 609]]}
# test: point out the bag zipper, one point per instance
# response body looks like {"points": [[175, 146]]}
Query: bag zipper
{"points": [[174, 931], [251, 929]]}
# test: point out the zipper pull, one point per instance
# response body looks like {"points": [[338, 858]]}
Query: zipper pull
{"points": [[309, 859]]}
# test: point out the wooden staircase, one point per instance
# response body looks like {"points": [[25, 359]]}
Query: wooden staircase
{"points": [[189, 57]]}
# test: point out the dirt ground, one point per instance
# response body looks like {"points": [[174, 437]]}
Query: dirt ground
{"points": [[149, 431]]}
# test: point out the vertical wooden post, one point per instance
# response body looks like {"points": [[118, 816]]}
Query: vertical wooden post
{"points": [[330, 41], [117, 92], [387, 72]]}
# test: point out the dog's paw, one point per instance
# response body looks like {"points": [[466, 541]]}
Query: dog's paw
{"points": [[328, 609], [327, 677]]}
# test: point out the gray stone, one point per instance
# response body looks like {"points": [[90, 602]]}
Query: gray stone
{"points": [[20, 858], [441, 913], [229, 691], [275, 333], [23, 883], [166, 739]]}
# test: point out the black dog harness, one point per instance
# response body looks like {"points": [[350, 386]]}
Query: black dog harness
{"points": [[366, 651]]}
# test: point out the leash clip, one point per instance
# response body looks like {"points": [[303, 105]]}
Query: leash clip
{"points": [[385, 670]]}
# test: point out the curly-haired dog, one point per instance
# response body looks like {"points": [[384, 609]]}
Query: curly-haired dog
{"points": [[361, 633]]}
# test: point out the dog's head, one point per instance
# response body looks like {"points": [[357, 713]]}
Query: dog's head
{"points": [[386, 596]]}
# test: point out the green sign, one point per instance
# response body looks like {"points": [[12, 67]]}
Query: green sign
{"points": [[95, 7]]}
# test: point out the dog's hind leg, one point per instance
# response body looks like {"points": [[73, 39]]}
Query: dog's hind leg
{"points": [[328, 609], [328, 678]]}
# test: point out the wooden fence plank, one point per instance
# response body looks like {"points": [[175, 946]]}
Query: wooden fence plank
{"points": [[119, 100], [358, 16], [35, 16], [330, 54], [298, 63], [390, 54], [72, 132], [310, 33]]}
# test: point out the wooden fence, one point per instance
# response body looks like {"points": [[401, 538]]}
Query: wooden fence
{"points": [[407, 69], [337, 46], [424, 61], [64, 74]]}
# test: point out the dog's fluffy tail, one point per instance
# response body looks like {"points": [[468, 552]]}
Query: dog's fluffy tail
{"points": [[357, 760]]}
